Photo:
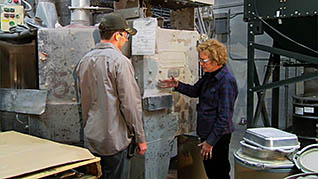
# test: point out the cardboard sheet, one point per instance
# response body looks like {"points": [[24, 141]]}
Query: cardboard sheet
{"points": [[21, 154]]}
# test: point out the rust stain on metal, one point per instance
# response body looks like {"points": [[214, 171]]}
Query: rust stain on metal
{"points": [[186, 106], [184, 41], [43, 54], [177, 108]]}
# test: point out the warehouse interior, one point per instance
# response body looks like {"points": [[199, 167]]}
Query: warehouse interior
{"points": [[273, 54]]}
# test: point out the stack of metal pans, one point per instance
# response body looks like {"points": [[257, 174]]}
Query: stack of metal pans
{"points": [[269, 143], [263, 154]]}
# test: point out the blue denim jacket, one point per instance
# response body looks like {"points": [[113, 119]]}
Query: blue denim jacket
{"points": [[217, 95]]}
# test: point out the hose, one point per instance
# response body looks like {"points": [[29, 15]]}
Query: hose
{"points": [[18, 34], [29, 6]]}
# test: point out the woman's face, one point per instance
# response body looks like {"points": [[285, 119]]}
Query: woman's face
{"points": [[206, 63]]}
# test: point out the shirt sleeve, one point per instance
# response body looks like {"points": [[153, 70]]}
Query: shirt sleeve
{"points": [[83, 88], [130, 99], [227, 96], [190, 90]]}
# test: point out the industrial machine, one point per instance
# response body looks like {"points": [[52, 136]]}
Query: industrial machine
{"points": [[293, 28], [43, 102], [12, 14]]}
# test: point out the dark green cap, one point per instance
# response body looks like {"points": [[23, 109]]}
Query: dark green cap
{"points": [[115, 21]]}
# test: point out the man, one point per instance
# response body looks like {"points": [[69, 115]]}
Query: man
{"points": [[111, 102], [217, 92]]}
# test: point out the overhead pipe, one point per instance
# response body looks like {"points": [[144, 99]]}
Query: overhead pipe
{"points": [[80, 14]]}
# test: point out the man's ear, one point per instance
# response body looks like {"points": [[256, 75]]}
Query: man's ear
{"points": [[116, 37]]}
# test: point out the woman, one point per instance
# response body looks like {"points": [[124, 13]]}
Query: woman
{"points": [[217, 92]]}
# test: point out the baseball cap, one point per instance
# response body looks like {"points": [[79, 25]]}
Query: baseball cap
{"points": [[115, 21]]}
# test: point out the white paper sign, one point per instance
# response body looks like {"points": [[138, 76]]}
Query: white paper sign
{"points": [[143, 43]]}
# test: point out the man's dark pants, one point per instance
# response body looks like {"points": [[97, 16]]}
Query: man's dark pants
{"points": [[115, 166]]}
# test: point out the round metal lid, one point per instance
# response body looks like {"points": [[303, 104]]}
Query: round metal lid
{"points": [[307, 159], [303, 176], [262, 163]]}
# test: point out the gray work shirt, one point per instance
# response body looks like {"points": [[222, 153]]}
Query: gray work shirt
{"points": [[111, 102]]}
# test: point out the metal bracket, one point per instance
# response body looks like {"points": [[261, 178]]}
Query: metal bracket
{"points": [[25, 101], [155, 103]]}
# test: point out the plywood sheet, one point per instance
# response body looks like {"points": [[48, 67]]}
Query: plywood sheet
{"points": [[21, 154]]}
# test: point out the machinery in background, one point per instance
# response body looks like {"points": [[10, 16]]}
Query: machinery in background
{"points": [[46, 106], [280, 20], [12, 14], [12, 2]]}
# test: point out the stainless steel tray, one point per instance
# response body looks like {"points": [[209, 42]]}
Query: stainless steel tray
{"points": [[272, 139], [260, 153]]}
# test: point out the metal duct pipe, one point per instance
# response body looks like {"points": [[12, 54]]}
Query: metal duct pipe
{"points": [[63, 12], [80, 13], [80, 3]]}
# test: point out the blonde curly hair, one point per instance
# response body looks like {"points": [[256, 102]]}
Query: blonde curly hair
{"points": [[217, 51]]}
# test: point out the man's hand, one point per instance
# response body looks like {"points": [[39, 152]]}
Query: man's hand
{"points": [[142, 148], [168, 83], [206, 150]]}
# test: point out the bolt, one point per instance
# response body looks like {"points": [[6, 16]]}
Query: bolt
{"points": [[242, 121]]}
